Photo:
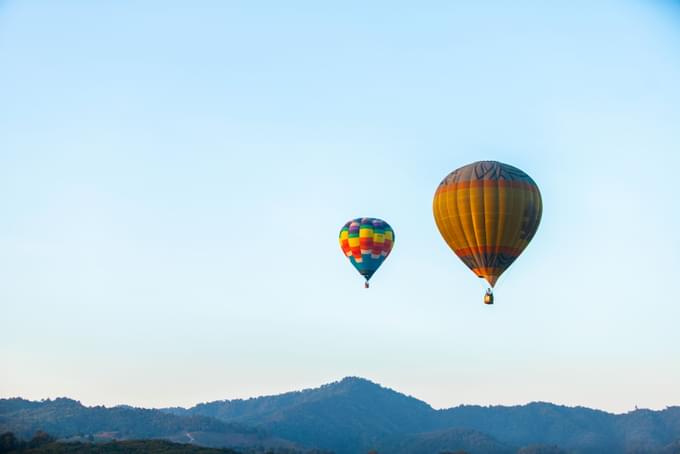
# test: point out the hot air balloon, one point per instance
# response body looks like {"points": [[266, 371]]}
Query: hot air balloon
{"points": [[487, 212], [366, 242]]}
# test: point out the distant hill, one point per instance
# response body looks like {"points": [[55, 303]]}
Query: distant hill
{"points": [[354, 416], [68, 419], [577, 429], [349, 416], [449, 440]]}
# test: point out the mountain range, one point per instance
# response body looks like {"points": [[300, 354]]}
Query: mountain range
{"points": [[353, 416]]}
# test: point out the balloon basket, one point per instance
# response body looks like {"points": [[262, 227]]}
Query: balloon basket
{"points": [[488, 297]]}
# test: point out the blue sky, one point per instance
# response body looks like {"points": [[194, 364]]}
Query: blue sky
{"points": [[173, 177]]}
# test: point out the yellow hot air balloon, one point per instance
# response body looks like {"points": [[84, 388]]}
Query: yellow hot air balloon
{"points": [[487, 213]]}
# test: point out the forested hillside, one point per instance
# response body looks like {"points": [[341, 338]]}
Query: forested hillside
{"points": [[68, 419], [355, 416]]}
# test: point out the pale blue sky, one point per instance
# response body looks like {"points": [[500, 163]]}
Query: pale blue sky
{"points": [[173, 177]]}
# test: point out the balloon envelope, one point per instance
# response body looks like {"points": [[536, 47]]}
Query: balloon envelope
{"points": [[487, 212], [366, 242]]}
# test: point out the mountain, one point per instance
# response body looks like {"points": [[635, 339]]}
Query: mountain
{"points": [[580, 429], [354, 416], [577, 429], [348, 416], [68, 419]]}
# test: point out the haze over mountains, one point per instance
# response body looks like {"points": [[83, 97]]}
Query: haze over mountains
{"points": [[353, 416]]}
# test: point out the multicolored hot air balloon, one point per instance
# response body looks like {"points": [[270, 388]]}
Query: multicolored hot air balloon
{"points": [[487, 213], [366, 242]]}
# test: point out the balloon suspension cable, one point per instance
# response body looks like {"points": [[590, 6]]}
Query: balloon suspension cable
{"points": [[366, 284]]}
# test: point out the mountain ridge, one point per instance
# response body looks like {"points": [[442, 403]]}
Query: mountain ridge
{"points": [[370, 382], [355, 415]]}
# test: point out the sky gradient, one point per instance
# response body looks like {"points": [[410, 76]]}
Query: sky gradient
{"points": [[174, 175]]}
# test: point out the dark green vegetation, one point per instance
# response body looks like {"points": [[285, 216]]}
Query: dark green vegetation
{"points": [[43, 443], [468, 441], [355, 416], [46, 444]]}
